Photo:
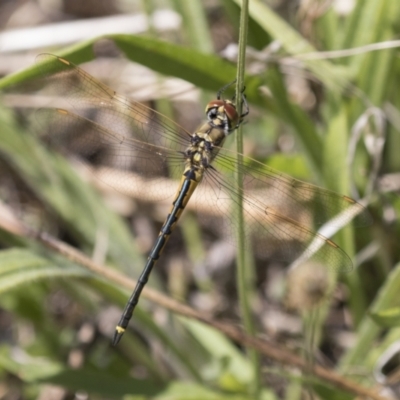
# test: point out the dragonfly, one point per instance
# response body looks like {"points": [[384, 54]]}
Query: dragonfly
{"points": [[281, 214]]}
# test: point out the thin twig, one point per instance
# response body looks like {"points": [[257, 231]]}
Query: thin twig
{"points": [[322, 55]]}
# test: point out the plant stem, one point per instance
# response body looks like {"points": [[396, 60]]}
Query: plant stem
{"points": [[243, 275]]}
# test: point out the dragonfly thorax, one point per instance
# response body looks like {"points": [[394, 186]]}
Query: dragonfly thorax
{"points": [[205, 144]]}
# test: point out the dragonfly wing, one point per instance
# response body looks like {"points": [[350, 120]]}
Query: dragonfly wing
{"points": [[281, 213], [129, 165], [302, 200], [108, 130], [92, 99]]}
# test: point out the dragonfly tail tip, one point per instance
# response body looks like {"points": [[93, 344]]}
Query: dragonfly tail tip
{"points": [[117, 335]]}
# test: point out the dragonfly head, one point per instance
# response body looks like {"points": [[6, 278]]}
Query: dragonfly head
{"points": [[222, 114]]}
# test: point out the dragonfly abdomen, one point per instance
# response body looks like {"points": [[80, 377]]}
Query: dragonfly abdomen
{"points": [[188, 184]]}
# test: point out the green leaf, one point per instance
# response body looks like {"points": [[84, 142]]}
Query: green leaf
{"points": [[207, 71], [290, 164], [190, 391], [387, 298], [203, 70], [21, 266], [39, 370], [331, 393], [231, 361], [335, 148], [388, 318], [79, 53], [102, 383], [301, 123]]}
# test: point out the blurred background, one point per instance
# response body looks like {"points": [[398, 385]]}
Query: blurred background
{"points": [[321, 82]]}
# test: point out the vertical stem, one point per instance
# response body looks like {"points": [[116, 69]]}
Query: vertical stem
{"points": [[243, 281]]}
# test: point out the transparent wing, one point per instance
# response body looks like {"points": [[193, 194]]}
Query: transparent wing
{"points": [[281, 214], [108, 130], [96, 101], [121, 161]]}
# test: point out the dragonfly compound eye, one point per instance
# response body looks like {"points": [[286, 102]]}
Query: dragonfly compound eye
{"points": [[231, 113]]}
